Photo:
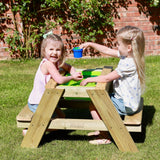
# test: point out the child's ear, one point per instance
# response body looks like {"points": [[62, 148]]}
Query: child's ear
{"points": [[129, 48]]}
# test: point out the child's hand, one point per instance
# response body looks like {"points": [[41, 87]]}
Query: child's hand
{"points": [[84, 45], [77, 76], [84, 82]]}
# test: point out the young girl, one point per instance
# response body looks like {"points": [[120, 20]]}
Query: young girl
{"points": [[128, 78], [53, 53]]}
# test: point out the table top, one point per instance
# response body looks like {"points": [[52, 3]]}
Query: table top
{"points": [[74, 90], [86, 73]]}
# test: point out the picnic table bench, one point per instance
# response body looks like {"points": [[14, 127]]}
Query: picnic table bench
{"points": [[111, 121]]}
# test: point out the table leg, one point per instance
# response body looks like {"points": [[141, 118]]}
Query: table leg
{"points": [[112, 120], [42, 117]]}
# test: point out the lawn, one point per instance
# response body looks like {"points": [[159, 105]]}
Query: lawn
{"points": [[16, 80]]}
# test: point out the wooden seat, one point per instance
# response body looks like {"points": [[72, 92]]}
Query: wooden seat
{"points": [[133, 122], [135, 119], [25, 115]]}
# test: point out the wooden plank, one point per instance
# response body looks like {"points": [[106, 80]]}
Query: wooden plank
{"points": [[25, 114], [104, 86], [75, 91], [51, 84], [112, 120], [78, 124], [135, 119], [41, 118]]}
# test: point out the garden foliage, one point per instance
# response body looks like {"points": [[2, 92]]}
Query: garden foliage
{"points": [[92, 20]]}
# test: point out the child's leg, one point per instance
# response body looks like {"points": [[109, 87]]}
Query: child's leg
{"points": [[95, 116], [103, 136], [94, 112], [24, 132], [32, 107], [58, 112]]}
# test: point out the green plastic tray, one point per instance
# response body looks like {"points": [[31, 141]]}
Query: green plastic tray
{"points": [[86, 74]]}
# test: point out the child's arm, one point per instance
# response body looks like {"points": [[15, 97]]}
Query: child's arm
{"points": [[104, 78], [50, 68], [100, 48], [67, 67]]}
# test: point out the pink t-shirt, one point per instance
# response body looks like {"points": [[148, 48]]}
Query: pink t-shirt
{"points": [[40, 81]]}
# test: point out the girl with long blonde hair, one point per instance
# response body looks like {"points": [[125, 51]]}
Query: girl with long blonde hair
{"points": [[128, 78]]}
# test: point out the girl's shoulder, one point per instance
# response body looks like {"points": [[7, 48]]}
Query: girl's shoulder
{"points": [[127, 62], [126, 65], [45, 65], [44, 60]]}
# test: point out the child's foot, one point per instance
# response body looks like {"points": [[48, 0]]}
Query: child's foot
{"points": [[24, 132], [100, 141], [103, 138], [96, 133]]}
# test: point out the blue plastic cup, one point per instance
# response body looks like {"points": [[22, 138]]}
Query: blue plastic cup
{"points": [[77, 52]]}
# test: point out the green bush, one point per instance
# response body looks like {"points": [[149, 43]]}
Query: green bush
{"points": [[87, 18], [92, 20]]}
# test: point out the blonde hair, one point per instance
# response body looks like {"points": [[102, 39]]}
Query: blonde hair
{"points": [[135, 37], [56, 38]]}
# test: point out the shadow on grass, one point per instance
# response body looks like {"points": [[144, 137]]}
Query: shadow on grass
{"points": [[138, 137], [63, 135], [147, 118], [80, 113]]}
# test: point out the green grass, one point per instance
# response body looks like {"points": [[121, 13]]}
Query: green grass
{"points": [[16, 80]]}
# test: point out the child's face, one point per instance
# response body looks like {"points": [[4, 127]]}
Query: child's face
{"points": [[124, 49], [53, 51]]}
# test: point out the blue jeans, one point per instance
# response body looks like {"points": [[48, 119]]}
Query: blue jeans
{"points": [[33, 108], [120, 107]]}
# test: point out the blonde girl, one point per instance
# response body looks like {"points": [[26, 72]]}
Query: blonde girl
{"points": [[53, 53], [129, 76]]}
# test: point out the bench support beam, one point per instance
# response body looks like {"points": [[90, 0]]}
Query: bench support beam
{"points": [[42, 117], [112, 120]]}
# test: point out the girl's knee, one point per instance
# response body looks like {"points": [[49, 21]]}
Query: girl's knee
{"points": [[92, 107]]}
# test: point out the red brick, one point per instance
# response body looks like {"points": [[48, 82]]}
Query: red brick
{"points": [[129, 16], [132, 14]]}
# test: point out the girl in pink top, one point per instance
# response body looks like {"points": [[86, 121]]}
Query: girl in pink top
{"points": [[53, 53]]}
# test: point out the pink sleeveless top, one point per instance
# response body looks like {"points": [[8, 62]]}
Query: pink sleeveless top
{"points": [[40, 81]]}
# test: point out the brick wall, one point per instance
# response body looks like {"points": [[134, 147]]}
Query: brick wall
{"points": [[146, 18], [138, 13], [5, 22]]}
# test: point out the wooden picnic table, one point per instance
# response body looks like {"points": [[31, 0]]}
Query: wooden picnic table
{"points": [[98, 95]]}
